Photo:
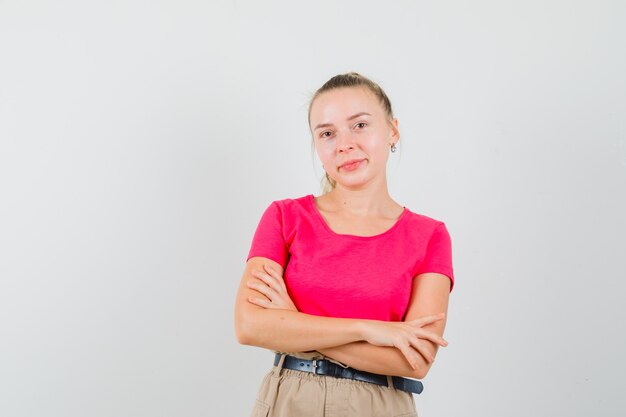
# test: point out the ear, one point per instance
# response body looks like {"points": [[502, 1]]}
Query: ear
{"points": [[395, 133]]}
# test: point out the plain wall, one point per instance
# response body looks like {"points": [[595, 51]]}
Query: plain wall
{"points": [[140, 142]]}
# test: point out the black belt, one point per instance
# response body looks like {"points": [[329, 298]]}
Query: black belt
{"points": [[324, 367]]}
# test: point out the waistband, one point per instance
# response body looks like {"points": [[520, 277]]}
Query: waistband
{"points": [[326, 367]]}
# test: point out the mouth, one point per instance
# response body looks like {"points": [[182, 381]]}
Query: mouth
{"points": [[351, 165]]}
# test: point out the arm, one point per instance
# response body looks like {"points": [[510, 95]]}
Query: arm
{"points": [[429, 295], [286, 330], [273, 321]]}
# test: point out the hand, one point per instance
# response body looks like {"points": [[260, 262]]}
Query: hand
{"points": [[271, 284], [405, 336]]}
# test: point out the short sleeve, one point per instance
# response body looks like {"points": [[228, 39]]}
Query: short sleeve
{"points": [[268, 240], [438, 257]]}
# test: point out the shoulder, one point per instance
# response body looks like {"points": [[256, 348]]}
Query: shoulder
{"points": [[424, 221], [426, 228], [293, 205], [289, 210], [293, 201]]}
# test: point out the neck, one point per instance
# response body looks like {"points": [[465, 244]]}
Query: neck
{"points": [[363, 202]]}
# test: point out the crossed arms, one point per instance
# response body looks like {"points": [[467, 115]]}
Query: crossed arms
{"points": [[342, 339]]}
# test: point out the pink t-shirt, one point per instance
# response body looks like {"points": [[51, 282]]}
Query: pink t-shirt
{"points": [[340, 275]]}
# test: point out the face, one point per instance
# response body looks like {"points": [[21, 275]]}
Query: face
{"points": [[350, 124]]}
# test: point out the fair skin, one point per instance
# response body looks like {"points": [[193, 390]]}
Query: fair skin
{"points": [[360, 204]]}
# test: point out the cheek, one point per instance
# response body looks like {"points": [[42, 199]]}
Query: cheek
{"points": [[376, 145], [325, 154]]}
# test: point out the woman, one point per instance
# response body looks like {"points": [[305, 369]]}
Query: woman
{"points": [[349, 289]]}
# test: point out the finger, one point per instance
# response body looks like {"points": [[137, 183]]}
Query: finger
{"points": [[263, 289], [432, 336], [422, 348], [268, 279], [273, 273], [262, 302], [257, 286], [429, 319], [409, 354]]}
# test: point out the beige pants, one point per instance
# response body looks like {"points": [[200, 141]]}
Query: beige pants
{"points": [[291, 393]]}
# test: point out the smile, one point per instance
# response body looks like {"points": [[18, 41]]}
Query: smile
{"points": [[352, 166]]}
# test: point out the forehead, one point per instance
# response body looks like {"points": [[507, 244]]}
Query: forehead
{"points": [[338, 104]]}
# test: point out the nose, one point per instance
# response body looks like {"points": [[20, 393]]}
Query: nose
{"points": [[345, 142]]}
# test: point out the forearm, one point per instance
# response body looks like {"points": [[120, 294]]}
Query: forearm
{"points": [[292, 331], [383, 360]]}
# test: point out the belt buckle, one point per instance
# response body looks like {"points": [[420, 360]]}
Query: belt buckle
{"points": [[314, 363]]}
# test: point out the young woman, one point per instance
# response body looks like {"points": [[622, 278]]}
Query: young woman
{"points": [[349, 289]]}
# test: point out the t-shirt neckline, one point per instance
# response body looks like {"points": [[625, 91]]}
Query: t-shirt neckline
{"points": [[311, 199]]}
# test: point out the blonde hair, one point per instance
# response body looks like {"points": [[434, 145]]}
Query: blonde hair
{"points": [[350, 79]]}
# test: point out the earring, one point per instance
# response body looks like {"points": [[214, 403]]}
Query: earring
{"points": [[393, 147]]}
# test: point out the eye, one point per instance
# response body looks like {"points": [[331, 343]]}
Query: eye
{"points": [[361, 123], [322, 135]]}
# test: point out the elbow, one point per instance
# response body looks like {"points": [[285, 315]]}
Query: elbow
{"points": [[241, 334], [244, 330], [425, 365], [421, 371]]}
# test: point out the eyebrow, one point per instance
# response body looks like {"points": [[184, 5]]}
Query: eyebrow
{"points": [[349, 118]]}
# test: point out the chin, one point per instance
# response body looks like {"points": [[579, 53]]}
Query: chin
{"points": [[352, 184]]}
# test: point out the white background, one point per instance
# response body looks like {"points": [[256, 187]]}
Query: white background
{"points": [[140, 142]]}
